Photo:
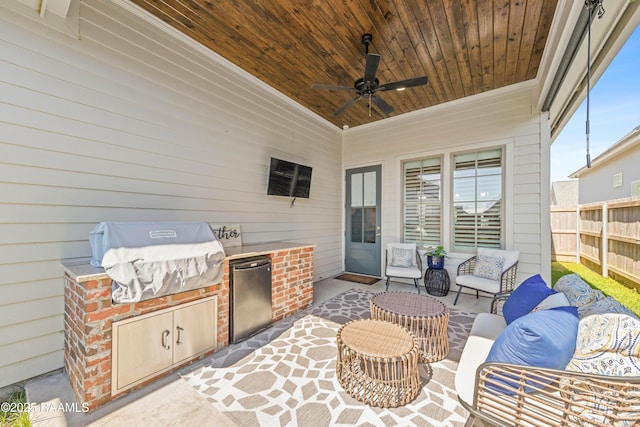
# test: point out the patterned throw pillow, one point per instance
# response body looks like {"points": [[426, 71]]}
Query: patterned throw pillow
{"points": [[577, 291], [604, 305], [607, 344], [488, 267], [402, 257]]}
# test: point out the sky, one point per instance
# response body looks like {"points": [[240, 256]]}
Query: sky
{"points": [[614, 111]]}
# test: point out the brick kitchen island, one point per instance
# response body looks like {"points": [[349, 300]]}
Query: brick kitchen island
{"points": [[90, 313]]}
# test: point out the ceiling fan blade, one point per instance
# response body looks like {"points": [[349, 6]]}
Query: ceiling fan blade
{"points": [[371, 67], [347, 105], [333, 87], [382, 105], [417, 81]]}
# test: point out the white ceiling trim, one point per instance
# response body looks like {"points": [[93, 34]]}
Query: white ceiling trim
{"points": [[60, 15]]}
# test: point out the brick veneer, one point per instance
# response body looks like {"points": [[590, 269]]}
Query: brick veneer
{"points": [[291, 281], [89, 313]]}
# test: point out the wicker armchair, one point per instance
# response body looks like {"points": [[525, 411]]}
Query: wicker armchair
{"points": [[531, 396], [498, 302], [466, 279], [403, 261]]}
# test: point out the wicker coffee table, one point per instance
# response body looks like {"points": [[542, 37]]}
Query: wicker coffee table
{"points": [[426, 317], [378, 363]]}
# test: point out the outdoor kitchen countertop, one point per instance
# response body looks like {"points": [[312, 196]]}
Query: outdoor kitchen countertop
{"points": [[80, 269]]}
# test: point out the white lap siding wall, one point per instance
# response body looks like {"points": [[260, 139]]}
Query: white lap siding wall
{"points": [[130, 123], [500, 118]]}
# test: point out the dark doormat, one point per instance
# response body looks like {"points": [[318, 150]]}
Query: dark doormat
{"points": [[350, 277]]}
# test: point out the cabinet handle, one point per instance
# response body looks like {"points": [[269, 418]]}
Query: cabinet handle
{"points": [[165, 335], [179, 335]]}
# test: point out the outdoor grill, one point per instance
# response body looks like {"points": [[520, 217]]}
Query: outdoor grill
{"points": [[151, 259]]}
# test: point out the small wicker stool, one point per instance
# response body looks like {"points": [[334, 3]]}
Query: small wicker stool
{"points": [[378, 363], [426, 317]]}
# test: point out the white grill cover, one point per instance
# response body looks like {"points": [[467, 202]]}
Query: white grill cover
{"points": [[150, 259]]}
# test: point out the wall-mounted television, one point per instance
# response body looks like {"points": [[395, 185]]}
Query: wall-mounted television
{"points": [[289, 179]]}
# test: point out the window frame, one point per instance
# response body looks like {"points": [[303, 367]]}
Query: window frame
{"points": [[451, 213], [442, 208]]}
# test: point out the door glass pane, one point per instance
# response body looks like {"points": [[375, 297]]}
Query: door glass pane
{"points": [[356, 225], [356, 190], [370, 225], [370, 189], [363, 207]]}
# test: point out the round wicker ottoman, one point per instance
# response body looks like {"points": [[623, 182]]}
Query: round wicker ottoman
{"points": [[426, 317], [378, 363]]}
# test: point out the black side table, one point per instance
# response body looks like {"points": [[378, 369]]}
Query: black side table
{"points": [[437, 282]]}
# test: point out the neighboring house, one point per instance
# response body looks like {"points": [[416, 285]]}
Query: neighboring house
{"points": [[132, 121], [614, 174], [564, 194]]}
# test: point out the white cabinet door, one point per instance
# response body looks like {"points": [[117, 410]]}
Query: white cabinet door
{"points": [[142, 347], [147, 345], [194, 329]]}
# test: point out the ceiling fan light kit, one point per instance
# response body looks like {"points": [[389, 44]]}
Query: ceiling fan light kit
{"points": [[369, 85]]}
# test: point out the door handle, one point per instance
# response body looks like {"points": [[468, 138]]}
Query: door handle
{"points": [[179, 329], [165, 335]]}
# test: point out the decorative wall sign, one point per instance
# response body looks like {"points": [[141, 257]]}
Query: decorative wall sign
{"points": [[228, 234]]}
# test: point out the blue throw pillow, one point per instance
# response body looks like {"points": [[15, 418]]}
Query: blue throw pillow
{"points": [[546, 338], [525, 298]]}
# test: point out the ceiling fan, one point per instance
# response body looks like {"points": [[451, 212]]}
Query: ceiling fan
{"points": [[368, 85]]}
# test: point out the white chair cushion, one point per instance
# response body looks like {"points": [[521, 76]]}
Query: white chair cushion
{"points": [[480, 283], [408, 273], [510, 257], [488, 325], [474, 354]]}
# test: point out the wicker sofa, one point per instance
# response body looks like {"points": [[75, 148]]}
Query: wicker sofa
{"points": [[599, 386]]}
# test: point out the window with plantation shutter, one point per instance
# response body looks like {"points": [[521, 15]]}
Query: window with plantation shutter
{"points": [[422, 202], [477, 200]]}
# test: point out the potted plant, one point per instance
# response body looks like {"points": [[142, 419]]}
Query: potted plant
{"points": [[435, 257]]}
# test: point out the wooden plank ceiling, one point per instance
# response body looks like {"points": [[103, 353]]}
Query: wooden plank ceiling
{"points": [[464, 47]]}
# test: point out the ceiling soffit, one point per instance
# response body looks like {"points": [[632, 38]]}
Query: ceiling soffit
{"points": [[463, 47]]}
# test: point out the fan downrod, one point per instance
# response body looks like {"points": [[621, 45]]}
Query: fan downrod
{"points": [[367, 39]]}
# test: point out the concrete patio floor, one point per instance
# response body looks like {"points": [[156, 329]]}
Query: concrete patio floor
{"points": [[170, 401]]}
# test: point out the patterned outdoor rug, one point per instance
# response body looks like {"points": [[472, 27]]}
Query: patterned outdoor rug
{"points": [[291, 380]]}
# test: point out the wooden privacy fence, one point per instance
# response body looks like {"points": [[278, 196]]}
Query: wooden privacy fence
{"points": [[605, 236]]}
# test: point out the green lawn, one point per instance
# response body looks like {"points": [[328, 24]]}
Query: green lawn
{"points": [[626, 296]]}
